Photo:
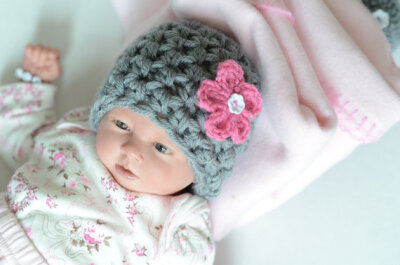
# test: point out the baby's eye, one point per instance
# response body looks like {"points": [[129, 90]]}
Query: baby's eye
{"points": [[161, 148], [121, 125]]}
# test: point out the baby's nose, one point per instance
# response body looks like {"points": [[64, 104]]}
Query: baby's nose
{"points": [[134, 151], [138, 157]]}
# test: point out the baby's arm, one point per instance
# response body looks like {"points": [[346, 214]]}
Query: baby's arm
{"points": [[27, 107]]}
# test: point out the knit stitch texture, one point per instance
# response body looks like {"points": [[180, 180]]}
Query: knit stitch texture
{"points": [[392, 9], [159, 75]]}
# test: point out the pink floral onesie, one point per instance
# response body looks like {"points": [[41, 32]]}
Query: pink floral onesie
{"points": [[69, 206]]}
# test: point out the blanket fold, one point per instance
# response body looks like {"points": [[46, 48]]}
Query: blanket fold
{"points": [[328, 85]]}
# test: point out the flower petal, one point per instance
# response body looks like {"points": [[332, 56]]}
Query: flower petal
{"points": [[229, 75], [252, 100], [240, 128], [214, 96], [218, 125], [211, 97]]}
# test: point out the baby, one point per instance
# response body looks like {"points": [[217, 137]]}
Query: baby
{"points": [[124, 182]]}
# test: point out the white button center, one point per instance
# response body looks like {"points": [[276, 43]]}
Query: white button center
{"points": [[236, 103]]}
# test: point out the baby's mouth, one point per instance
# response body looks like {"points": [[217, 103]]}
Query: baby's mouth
{"points": [[126, 173]]}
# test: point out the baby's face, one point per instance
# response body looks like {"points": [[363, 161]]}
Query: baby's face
{"points": [[139, 154]]}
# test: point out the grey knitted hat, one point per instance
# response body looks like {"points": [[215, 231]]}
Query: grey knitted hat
{"points": [[387, 13], [159, 76]]}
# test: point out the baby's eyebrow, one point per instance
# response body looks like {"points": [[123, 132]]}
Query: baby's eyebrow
{"points": [[119, 111], [119, 114], [163, 141]]}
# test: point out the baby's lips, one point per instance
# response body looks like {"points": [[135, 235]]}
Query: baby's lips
{"points": [[126, 173]]}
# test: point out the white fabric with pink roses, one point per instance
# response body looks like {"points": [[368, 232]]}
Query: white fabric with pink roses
{"points": [[72, 209]]}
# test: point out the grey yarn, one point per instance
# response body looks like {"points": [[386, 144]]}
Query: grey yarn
{"points": [[158, 76], [392, 8]]}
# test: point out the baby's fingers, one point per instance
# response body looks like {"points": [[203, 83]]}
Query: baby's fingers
{"points": [[32, 52], [28, 50], [36, 54], [42, 61], [39, 53], [53, 54]]}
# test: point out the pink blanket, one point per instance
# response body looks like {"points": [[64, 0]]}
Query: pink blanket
{"points": [[328, 85]]}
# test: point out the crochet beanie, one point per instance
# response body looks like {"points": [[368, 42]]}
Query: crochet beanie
{"points": [[387, 13], [197, 84]]}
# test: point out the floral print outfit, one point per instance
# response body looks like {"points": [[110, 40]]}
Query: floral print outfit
{"points": [[72, 209]]}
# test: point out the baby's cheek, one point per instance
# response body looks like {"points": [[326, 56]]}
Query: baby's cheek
{"points": [[189, 178], [104, 148], [160, 178]]}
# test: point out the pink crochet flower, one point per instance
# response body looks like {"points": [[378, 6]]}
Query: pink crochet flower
{"points": [[231, 102]]}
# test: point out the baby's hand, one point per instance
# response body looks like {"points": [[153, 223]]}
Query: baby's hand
{"points": [[43, 62]]}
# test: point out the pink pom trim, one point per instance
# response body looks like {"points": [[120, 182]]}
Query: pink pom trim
{"points": [[213, 96]]}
